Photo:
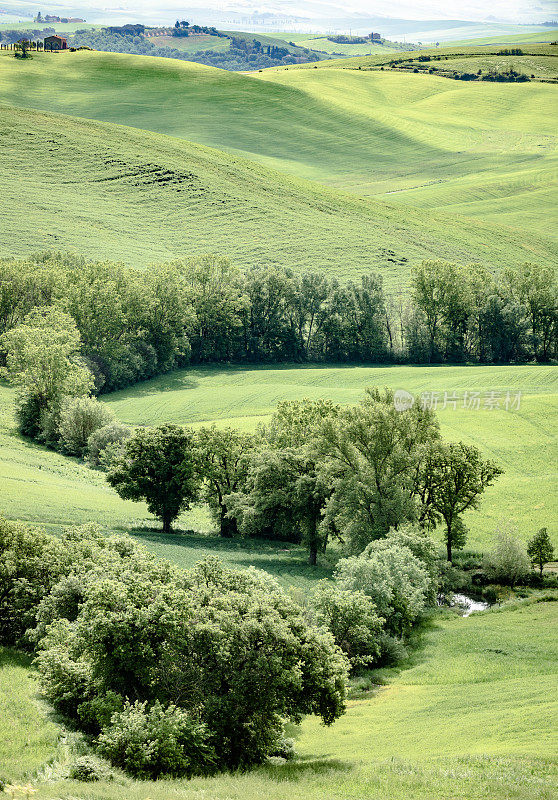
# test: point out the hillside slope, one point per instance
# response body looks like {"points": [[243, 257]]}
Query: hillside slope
{"points": [[419, 139], [118, 193]]}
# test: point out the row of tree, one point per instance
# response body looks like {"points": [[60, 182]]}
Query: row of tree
{"points": [[317, 472], [134, 325]]}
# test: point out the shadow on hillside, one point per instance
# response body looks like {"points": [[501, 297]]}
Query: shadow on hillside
{"points": [[280, 559], [190, 377], [303, 768], [14, 658]]}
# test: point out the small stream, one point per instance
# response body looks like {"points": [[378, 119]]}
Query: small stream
{"points": [[467, 604]]}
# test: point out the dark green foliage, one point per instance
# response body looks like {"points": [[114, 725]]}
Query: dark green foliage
{"points": [[223, 464], [352, 619], [179, 672], [31, 562], [149, 742], [89, 770], [158, 465], [454, 476], [540, 549]]}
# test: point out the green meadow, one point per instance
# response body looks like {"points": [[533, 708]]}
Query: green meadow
{"points": [[470, 715], [345, 168], [486, 150]]}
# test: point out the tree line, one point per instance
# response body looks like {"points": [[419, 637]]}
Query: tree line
{"points": [[134, 325]]}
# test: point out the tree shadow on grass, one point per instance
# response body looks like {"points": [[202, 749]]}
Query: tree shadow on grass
{"points": [[304, 768], [280, 559], [14, 658]]}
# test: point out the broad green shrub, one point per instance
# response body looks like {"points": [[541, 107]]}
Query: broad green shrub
{"points": [[150, 742], [89, 769], [352, 619], [111, 435], [229, 649], [79, 418], [395, 580], [31, 562], [508, 562]]}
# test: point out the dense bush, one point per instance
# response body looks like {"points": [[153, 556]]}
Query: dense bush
{"points": [[80, 417], [31, 562], [144, 655], [395, 580], [508, 562], [89, 769], [149, 742], [112, 435], [352, 619]]}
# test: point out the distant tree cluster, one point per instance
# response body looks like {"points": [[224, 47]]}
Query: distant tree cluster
{"points": [[244, 53], [135, 325], [317, 472]]}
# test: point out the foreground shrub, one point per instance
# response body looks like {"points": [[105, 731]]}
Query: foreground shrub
{"points": [[508, 563], [352, 619], [393, 578], [89, 769], [79, 418], [109, 436], [230, 650], [150, 742], [31, 562]]}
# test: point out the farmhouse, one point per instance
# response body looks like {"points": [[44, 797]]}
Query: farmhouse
{"points": [[55, 43]]}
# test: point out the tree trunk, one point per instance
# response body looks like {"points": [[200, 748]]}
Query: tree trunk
{"points": [[229, 527], [313, 557], [449, 543], [167, 522]]}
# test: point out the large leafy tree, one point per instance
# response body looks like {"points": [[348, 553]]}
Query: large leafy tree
{"points": [[223, 464], [454, 476], [229, 648], [43, 360], [371, 456], [158, 465]]}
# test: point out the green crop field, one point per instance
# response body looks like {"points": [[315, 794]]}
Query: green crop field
{"points": [[470, 716], [485, 149], [324, 45]]}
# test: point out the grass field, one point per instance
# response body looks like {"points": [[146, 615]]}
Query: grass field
{"points": [[485, 149], [470, 716]]}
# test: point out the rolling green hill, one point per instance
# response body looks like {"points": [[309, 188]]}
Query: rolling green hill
{"points": [[118, 193], [487, 149], [471, 717]]}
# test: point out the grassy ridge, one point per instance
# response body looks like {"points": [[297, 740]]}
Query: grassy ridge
{"points": [[374, 133], [471, 716], [117, 193]]}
